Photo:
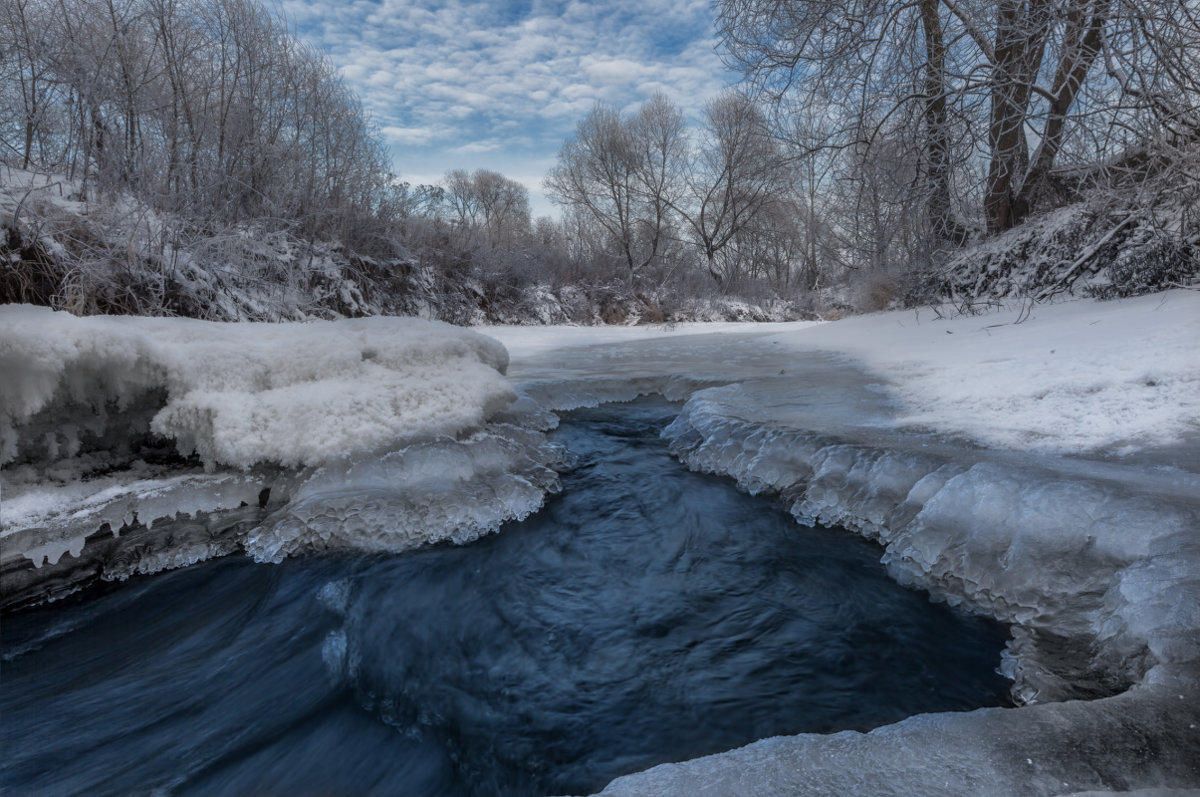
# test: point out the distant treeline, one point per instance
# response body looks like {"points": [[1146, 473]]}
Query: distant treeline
{"points": [[872, 143]]}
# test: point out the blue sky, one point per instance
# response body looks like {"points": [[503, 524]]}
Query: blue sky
{"points": [[499, 85]]}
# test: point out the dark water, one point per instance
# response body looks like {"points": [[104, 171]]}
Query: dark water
{"points": [[647, 614]]}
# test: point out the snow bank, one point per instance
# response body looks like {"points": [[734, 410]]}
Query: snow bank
{"points": [[372, 434], [1055, 749], [241, 394], [1111, 377]]}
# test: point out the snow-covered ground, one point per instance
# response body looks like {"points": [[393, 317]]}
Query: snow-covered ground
{"points": [[1082, 376]]}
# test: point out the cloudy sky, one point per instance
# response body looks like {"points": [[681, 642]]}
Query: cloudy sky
{"points": [[499, 84]]}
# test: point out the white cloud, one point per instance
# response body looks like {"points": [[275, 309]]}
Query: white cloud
{"points": [[475, 147], [477, 78], [614, 70], [406, 135]]}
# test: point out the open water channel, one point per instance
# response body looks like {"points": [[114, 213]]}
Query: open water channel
{"points": [[646, 614]]}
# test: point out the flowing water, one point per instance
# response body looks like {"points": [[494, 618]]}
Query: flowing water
{"points": [[647, 614]]}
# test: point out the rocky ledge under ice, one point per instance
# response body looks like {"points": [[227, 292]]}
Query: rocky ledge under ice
{"points": [[1075, 521], [132, 445]]}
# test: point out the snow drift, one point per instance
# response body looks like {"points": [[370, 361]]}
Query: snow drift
{"points": [[240, 395]]}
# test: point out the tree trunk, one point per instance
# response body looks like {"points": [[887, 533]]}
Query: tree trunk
{"points": [[1080, 50], [1020, 44], [937, 136]]}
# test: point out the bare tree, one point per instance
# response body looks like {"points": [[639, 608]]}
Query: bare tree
{"points": [[621, 173], [488, 206], [22, 25], [1052, 72], [737, 173], [862, 61]]}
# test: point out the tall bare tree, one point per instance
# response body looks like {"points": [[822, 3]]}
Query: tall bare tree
{"points": [[737, 173], [489, 205], [1051, 72], [211, 108], [864, 61], [622, 173]]}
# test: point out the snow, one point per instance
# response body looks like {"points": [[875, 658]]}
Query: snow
{"points": [[1079, 376], [239, 395], [1055, 749], [1113, 377], [115, 422], [523, 341], [1040, 465]]}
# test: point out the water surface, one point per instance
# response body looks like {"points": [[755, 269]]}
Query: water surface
{"points": [[647, 614]]}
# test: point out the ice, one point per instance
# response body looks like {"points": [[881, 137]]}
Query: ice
{"points": [[445, 490], [1044, 470], [132, 445], [437, 491], [1050, 749], [51, 552]]}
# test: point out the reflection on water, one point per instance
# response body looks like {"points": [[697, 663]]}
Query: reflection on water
{"points": [[647, 614]]}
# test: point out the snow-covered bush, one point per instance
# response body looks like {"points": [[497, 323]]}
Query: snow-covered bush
{"points": [[1105, 250], [1149, 259]]}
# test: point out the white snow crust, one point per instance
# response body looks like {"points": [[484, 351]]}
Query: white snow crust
{"points": [[241, 394], [1080, 376], [394, 421], [1041, 466]]}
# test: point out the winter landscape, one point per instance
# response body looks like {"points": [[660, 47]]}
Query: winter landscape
{"points": [[822, 418]]}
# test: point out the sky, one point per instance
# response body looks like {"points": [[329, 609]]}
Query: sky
{"points": [[501, 84]]}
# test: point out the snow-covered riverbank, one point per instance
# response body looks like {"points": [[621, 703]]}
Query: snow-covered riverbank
{"points": [[1043, 468], [246, 436], [1040, 467]]}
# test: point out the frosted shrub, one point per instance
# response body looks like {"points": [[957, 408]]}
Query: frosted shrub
{"points": [[1147, 261]]}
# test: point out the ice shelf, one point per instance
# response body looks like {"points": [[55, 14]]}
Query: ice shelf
{"points": [[132, 445]]}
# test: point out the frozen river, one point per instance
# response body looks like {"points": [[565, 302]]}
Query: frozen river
{"points": [[1038, 470], [646, 614]]}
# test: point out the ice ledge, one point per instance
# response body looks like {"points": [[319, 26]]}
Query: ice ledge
{"points": [[1099, 576], [450, 489], [1146, 738]]}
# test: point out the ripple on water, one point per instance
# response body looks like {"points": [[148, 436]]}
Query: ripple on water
{"points": [[646, 614]]}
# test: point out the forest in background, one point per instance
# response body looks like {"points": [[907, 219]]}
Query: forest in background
{"points": [[197, 158]]}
